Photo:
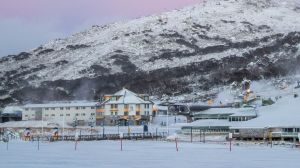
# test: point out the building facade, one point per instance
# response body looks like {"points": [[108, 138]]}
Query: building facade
{"points": [[124, 108], [80, 112]]}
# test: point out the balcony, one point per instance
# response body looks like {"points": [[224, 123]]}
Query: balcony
{"points": [[114, 109], [99, 117], [126, 109], [100, 110]]}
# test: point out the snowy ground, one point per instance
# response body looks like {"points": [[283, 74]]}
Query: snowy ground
{"points": [[137, 154]]}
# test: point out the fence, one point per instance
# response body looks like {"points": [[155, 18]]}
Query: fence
{"points": [[129, 136]]}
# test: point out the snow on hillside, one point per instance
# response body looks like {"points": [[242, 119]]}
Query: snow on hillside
{"points": [[283, 113]]}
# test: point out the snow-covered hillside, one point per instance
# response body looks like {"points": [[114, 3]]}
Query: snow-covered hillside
{"points": [[214, 42]]}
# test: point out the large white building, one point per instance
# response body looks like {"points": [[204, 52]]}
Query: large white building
{"points": [[68, 112], [124, 107]]}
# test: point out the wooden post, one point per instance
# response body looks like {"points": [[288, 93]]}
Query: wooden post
{"points": [[75, 145], [156, 134], [200, 135], [176, 143], [103, 134], [121, 138], [270, 138], [230, 139], [204, 136], [76, 139], [121, 145], [230, 144], [38, 138], [191, 134]]}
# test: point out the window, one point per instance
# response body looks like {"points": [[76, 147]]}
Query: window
{"points": [[67, 114], [46, 115], [77, 108], [61, 115], [26, 115], [68, 108], [52, 115], [114, 98], [47, 108], [92, 114], [26, 109], [137, 113], [116, 113], [92, 107], [126, 106], [113, 106], [32, 115], [77, 114], [111, 113], [52, 108], [61, 108], [82, 107], [82, 114], [125, 113]]}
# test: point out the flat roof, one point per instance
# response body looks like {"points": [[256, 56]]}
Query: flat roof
{"points": [[61, 104]]}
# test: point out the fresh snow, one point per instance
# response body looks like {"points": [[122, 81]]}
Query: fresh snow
{"points": [[146, 154]]}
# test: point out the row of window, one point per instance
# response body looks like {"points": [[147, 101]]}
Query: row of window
{"points": [[61, 108], [291, 130], [126, 113], [53, 115], [115, 106]]}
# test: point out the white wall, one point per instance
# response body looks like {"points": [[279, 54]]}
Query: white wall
{"points": [[58, 114]]}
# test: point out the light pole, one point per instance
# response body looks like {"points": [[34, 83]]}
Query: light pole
{"points": [[118, 126], [75, 122], [42, 124], [63, 130], [91, 123], [168, 119], [103, 129]]}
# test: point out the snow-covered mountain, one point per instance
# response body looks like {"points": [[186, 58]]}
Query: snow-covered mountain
{"points": [[212, 43]]}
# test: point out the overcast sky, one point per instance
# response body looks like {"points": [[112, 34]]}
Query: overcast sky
{"points": [[26, 24]]}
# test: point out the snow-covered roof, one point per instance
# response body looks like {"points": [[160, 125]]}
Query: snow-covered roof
{"points": [[284, 113], [62, 104], [125, 91], [229, 111], [245, 112], [212, 122], [12, 110], [127, 97]]}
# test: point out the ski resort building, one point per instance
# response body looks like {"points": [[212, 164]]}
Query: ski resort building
{"points": [[82, 112], [279, 121], [123, 108]]}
